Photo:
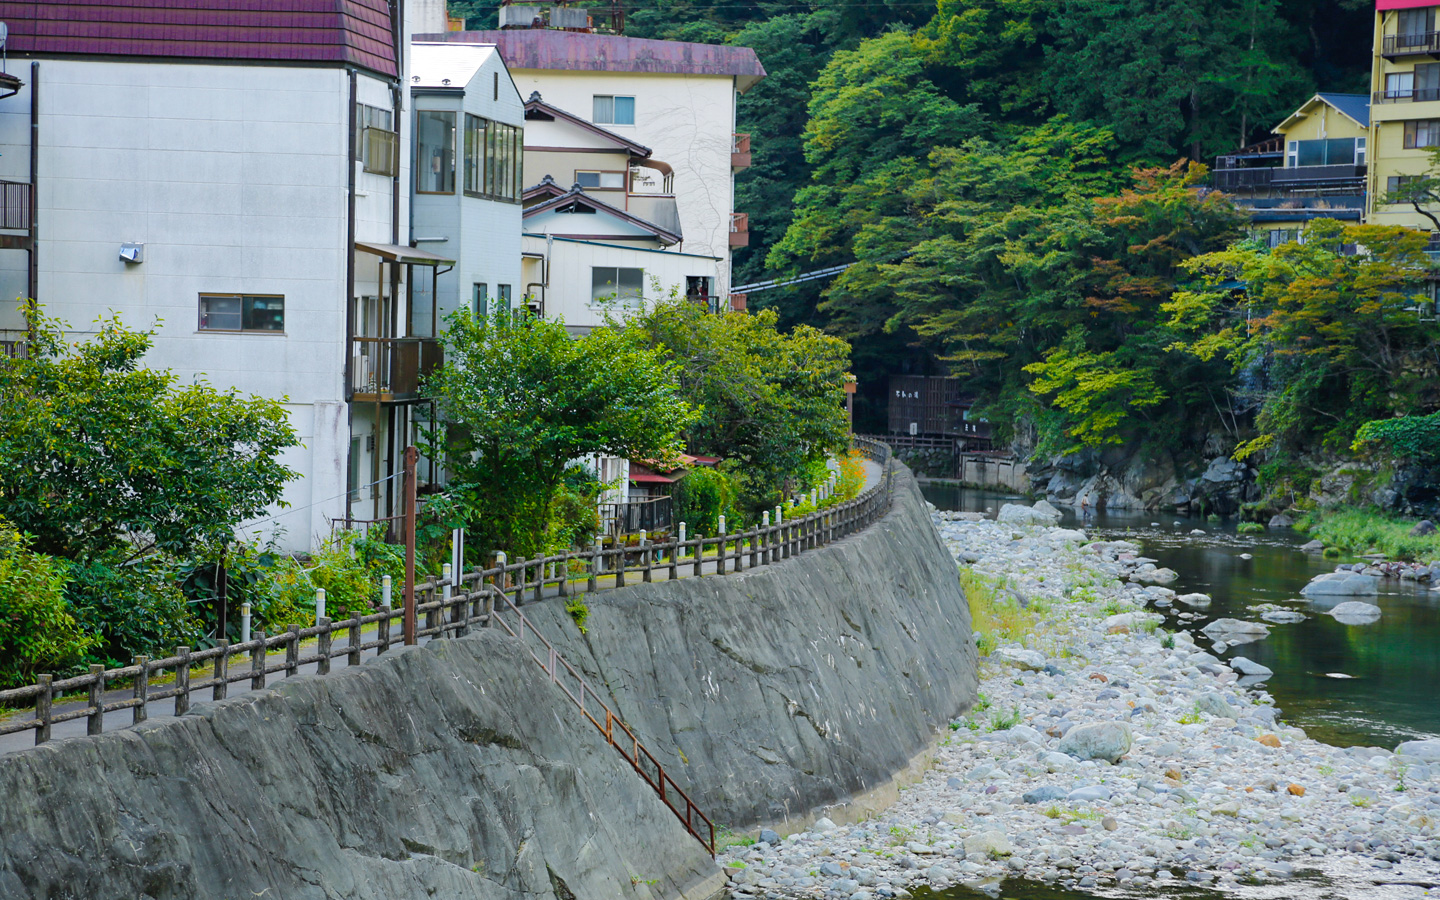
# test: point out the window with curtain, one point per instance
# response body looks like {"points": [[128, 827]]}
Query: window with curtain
{"points": [[613, 110], [434, 152]]}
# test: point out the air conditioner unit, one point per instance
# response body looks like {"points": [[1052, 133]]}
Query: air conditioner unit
{"points": [[518, 16]]}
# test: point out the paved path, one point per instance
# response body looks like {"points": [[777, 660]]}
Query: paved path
{"points": [[10, 743]]}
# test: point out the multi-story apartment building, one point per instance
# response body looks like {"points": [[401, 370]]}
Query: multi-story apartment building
{"points": [[1314, 167], [630, 156], [1405, 110], [240, 179]]}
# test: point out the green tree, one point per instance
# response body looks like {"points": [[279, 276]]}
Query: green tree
{"points": [[768, 401], [38, 633], [1337, 333], [97, 450], [521, 400]]}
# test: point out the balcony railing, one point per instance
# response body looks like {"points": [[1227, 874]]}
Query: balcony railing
{"points": [[15, 205], [740, 152], [1407, 95], [388, 370], [739, 229], [14, 343], [650, 516], [1416, 44], [1242, 179], [1317, 174]]}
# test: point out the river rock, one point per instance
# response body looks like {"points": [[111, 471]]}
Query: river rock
{"points": [[1043, 507], [1236, 630], [1283, 616], [1047, 794], [1067, 536], [1423, 528], [1281, 521], [1215, 705], [1199, 601], [1156, 576], [1427, 751], [1249, 667], [1091, 793], [1029, 660], [1355, 612], [989, 843], [1313, 546], [1016, 514], [1098, 740], [1131, 620], [1341, 584]]}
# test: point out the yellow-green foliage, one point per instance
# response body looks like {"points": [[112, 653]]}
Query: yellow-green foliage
{"points": [[1360, 531], [997, 616], [852, 476], [350, 576], [37, 631]]}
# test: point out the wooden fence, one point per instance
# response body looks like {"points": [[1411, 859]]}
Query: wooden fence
{"points": [[447, 607]]}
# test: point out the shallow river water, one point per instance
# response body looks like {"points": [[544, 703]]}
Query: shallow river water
{"points": [[1391, 667]]}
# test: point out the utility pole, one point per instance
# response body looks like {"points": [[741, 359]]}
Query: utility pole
{"points": [[411, 457]]}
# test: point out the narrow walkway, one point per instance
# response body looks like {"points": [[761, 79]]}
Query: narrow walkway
{"points": [[24, 740]]}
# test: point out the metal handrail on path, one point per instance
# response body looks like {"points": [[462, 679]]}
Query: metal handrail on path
{"points": [[617, 733], [446, 607]]}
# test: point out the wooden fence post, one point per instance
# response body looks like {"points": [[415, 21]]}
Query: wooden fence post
{"points": [[182, 681], [591, 584], [382, 629], [42, 707], [357, 637], [222, 672], [292, 652], [323, 649], [520, 580], [142, 691], [96, 722], [257, 662]]}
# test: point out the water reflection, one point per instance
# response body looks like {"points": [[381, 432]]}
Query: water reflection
{"points": [[1393, 663]]}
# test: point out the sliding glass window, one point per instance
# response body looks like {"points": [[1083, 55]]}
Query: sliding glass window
{"points": [[434, 152]]}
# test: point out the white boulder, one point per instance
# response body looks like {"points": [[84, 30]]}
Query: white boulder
{"points": [[1341, 584]]}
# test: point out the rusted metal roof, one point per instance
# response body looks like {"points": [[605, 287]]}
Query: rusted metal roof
{"points": [[307, 31], [539, 48]]}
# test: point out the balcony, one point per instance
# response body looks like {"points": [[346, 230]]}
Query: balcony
{"points": [[740, 151], [1230, 180], [390, 370], [739, 229], [1320, 175], [1406, 95], [1418, 44], [14, 343], [15, 207]]}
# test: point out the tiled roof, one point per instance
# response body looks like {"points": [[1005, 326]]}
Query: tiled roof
{"points": [[1356, 106], [540, 48], [323, 31]]}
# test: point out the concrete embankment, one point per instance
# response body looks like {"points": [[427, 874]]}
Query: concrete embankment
{"points": [[454, 771]]}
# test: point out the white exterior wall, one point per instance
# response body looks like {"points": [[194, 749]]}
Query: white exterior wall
{"points": [[235, 179], [687, 120], [567, 295]]}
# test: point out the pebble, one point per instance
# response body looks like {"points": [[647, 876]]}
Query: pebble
{"points": [[1212, 788]]}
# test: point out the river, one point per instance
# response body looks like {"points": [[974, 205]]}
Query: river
{"points": [[1389, 668]]}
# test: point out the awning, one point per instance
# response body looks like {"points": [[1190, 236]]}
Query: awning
{"points": [[402, 254]]}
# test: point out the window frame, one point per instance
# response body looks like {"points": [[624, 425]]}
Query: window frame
{"points": [[502, 297], [610, 117], [246, 309], [1414, 129], [480, 299], [494, 151], [423, 171], [620, 298], [600, 173]]}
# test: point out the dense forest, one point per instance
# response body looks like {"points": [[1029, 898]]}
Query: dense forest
{"points": [[1015, 182]]}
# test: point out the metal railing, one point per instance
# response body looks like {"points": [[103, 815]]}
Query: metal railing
{"points": [[1406, 95], [632, 516], [392, 368], [16, 199], [1417, 42]]}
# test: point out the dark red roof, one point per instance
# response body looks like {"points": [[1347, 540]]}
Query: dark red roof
{"points": [[322, 31], [540, 48]]}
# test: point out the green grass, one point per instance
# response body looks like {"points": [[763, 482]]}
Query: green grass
{"points": [[1004, 721], [1360, 530], [1250, 528], [996, 615]]}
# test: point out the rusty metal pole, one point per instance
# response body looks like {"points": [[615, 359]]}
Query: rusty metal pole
{"points": [[412, 456]]}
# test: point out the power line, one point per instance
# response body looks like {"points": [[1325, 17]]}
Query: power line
{"points": [[314, 503], [758, 286]]}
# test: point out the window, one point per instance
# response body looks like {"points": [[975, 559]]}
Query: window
{"points": [[1421, 133], [1399, 85], [1395, 182], [603, 180], [482, 300], [493, 159], [1359, 151], [375, 139], [1415, 26], [502, 297], [434, 152], [242, 312], [611, 110], [623, 285], [1325, 152]]}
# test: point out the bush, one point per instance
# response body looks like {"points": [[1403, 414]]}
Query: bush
{"points": [[1413, 438], [349, 569], [131, 608], [574, 520], [1250, 528], [702, 497], [37, 632]]}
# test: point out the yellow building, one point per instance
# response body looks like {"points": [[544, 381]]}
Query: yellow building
{"points": [[1314, 168], [1405, 106]]}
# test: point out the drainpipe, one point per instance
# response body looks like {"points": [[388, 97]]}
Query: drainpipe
{"points": [[350, 300], [32, 277]]}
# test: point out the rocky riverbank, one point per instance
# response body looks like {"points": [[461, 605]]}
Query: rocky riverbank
{"points": [[1107, 752]]}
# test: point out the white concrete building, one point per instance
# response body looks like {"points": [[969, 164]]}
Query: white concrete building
{"points": [[244, 183], [630, 155]]}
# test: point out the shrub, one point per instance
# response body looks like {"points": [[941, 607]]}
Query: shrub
{"points": [[702, 497], [37, 632], [1250, 528], [132, 608], [1414, 438]]}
